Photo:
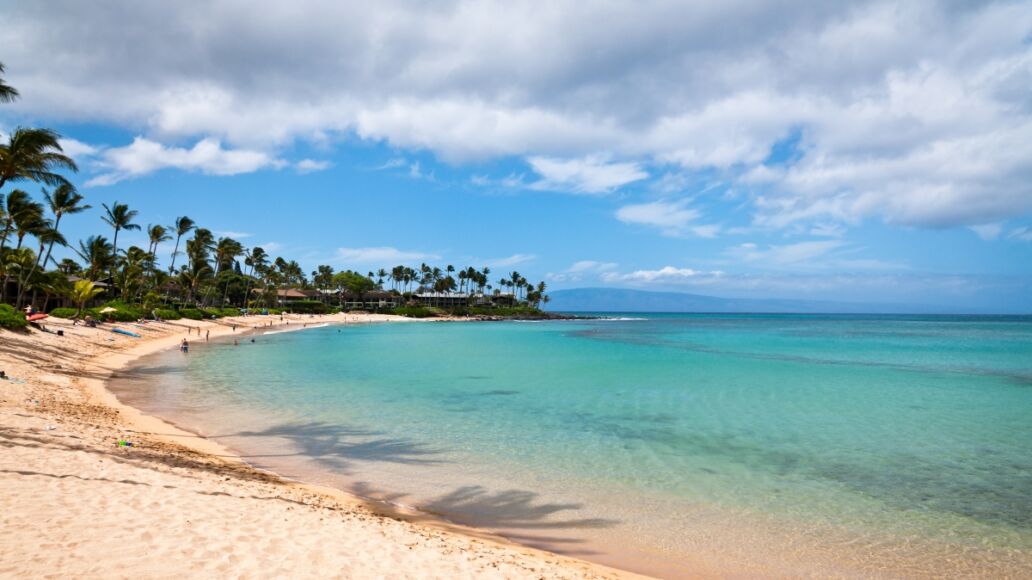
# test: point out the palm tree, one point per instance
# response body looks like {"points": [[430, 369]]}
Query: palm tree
{"points": [[82, 292], [182, 227], [96, 252], [17, 202], [47, 235], [156, 234], [24, 217], [33, 154], [119, 217], [7, 92], [226, 253], [256, 260], [64, 200]]}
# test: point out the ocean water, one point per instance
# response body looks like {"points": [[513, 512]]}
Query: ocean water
{"points": [[780, 445]]}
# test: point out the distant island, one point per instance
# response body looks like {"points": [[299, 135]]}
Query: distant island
{"points": [[625, 300]]}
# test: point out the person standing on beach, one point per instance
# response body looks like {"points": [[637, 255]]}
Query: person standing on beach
{"points": [[206, 334]]}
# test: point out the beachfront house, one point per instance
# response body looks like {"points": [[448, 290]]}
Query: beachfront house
{"points": [[444, 299]]}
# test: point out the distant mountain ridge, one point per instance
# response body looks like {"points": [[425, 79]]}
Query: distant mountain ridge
{"points": [[624, 300]]}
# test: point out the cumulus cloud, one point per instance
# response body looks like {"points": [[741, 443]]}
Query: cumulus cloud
{"points": [[665, 275], [234, 235], [381, 255], [1022, 233], [311, 165], [581, 269], [510, 260], [672, 218], [144, 156], [914, 113], [77, 149], [588, 175], [815, 254]]}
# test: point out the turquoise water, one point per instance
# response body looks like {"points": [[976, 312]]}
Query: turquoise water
{"points": [[797, 444]]}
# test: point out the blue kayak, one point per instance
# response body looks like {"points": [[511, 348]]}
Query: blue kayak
{"points": [[125, 332]]}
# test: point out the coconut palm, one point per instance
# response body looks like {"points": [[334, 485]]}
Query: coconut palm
{"points": [[24, 217], [119, 217], [64, 200], [82, 292], [96, 252], [257, 261], [156, 234], [47, 235], [7, 92], [33, 154], [17, 203], [182, 227]]}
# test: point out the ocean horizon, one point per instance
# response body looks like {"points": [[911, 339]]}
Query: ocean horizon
{"points": [[796, 444]]}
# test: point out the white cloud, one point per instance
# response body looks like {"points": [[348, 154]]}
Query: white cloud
{"points": [[592, 265], [382, 255], [144, 156], [673, 218], [271, 246], [587, 175], [784, 255], [1023, 233], [511, 260], [77, 149], [817, 254], [667, 274], [311, 165], [987, 231], [234, 235], [581, 269], [914, 113]]}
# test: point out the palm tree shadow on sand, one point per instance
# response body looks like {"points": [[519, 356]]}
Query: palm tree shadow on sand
{"points": [[519, 515], [334, 446]]}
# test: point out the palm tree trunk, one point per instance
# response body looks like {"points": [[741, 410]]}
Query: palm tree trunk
{"points": [[23, 281], [172, 267]]}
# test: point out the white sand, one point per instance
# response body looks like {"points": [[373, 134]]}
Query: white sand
{"points": [[74, 504]]}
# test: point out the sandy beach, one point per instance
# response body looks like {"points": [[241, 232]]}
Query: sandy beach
{"points": [[75, 503]]}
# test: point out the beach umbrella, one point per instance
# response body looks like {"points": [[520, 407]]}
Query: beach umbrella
{"points": [[108, 310]]}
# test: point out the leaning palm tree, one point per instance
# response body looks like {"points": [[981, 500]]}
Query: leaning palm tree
{"points": [[17, 202], [7, 92], [33, 154], [119, 217], [182, 227], [156, 234], [64, 200], [24, 217], [82, 292], [47, 235]]}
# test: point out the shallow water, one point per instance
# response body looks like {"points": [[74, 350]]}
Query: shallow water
{"points": [[781, 444]]}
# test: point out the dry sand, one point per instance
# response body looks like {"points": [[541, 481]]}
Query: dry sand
{"points": [[75, 504]]}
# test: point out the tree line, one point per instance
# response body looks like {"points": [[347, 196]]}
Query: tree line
{"points": [[203, 270]]}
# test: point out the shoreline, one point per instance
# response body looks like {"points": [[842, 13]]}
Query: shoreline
{"points": [[81, 405]]}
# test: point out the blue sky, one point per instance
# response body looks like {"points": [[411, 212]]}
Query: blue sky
{"points": [[862, 152]]}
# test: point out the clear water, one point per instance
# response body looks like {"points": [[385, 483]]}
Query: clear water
{"points": [[669, 444]]}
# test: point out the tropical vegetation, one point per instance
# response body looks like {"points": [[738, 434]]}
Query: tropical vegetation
{"points": [[206, 275]]}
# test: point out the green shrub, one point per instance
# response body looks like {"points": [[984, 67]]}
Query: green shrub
{"points": [[123, 312], [11, 319], [191, 313], [62, 312], [308, 307], [167, 314], [414, 311]]}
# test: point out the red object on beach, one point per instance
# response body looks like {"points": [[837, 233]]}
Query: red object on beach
{"points": [[35, 317]]}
